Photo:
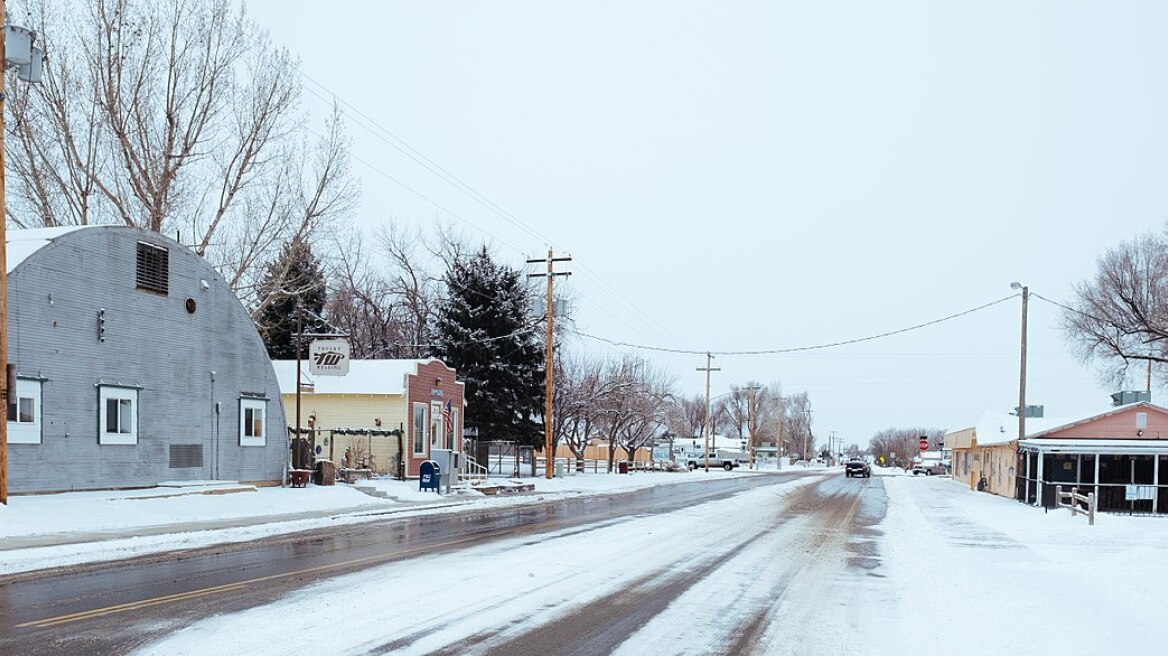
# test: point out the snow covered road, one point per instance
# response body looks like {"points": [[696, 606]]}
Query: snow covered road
{"points": [[817, 565], [756, 573]]}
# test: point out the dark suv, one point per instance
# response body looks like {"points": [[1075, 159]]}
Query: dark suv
{"points": [[857, 467]]}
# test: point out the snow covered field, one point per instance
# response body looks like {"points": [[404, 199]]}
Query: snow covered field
{"points": [[944, 570]]}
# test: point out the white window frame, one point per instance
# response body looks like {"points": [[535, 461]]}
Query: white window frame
{"points": [[419, 428], [125, 434], [26, 432], [251, 405]]}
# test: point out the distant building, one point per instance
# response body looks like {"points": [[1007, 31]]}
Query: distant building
{"points": [[136, 364]]}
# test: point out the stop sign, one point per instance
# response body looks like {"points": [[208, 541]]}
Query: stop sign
{"points": [[924, 444]]}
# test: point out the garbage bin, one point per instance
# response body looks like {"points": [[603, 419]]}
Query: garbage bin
{"points": [[326, 473], [622, 467], [561, 467]]}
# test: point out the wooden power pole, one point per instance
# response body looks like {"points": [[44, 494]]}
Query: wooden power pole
{"points": [[549, 457], [708, 369]]}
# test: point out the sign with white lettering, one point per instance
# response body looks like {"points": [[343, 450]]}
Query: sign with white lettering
{"points": [[328, 357]]}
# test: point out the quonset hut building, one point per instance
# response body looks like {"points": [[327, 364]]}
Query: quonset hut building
{"points": [[136, 365]]}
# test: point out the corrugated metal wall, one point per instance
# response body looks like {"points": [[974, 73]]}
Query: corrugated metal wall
{"points": [[192, 367]]}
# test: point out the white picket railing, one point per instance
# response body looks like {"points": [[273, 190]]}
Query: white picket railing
{"points": [[471, 469]]}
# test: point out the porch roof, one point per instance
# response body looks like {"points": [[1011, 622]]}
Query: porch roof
{"points": [[1095, 446]]}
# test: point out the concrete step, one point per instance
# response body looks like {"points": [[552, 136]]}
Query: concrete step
{"points": [[372, 491]]}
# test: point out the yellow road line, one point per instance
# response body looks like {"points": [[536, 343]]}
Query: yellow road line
{"points": [[230, 587]]}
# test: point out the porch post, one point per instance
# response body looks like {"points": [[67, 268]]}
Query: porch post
{"points": [[1155, 481], [1038, 497], [1098, 457]]}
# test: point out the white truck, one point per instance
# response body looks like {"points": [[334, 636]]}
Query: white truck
{"points": [[723, 458]]}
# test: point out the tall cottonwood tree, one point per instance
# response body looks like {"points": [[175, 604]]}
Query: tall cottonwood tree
{"points": [[484, 331], [176, 116]]}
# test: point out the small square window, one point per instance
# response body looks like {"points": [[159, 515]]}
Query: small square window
{"points": [[24, 416], [118, 411]]}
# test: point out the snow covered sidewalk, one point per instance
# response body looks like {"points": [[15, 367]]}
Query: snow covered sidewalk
{"points": [[993, 576]]}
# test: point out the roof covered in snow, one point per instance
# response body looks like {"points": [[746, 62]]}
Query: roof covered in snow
{"points": [[364, 377], [995, 427], [23, 243]]}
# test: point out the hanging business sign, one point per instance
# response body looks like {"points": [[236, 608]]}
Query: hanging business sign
{"points": [[328, 357]]}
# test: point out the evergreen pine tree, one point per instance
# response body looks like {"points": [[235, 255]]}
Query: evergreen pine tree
{"points": [[484, 332], [293, 277]]}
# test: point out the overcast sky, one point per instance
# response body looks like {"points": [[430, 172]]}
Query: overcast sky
{"points": [[740, 176]]}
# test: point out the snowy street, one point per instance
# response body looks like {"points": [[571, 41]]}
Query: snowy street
{"points": [[808, 565]]}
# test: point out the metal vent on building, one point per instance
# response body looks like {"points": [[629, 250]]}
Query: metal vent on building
{"points": [[185, 456], [153, 268]]}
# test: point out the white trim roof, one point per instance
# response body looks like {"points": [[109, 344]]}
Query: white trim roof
{"points": [[380, 377], [1097, 446]]}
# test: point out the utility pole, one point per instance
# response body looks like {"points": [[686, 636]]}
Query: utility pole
{"points": [[296, 450], [28, 59], [708, 369], [549, 457], [750, 422], [1022, 373]]}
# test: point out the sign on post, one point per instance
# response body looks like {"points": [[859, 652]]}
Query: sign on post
{"points": [[924, 444], [328, 357], [1139, 492]]}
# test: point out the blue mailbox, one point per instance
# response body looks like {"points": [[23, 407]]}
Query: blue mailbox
{"points": [[428, 476]]}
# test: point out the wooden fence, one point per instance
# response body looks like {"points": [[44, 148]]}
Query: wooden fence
{"points": [[1072, 500]]}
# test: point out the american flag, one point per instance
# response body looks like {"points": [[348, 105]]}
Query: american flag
{"points": [[446, 418]]}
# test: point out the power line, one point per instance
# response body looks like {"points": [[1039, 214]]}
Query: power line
{"points": [[399, 144], [799, 348]]}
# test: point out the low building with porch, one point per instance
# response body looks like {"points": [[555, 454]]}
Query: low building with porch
{"points": [[385, 415], [1117, 454], [1121, 455]]}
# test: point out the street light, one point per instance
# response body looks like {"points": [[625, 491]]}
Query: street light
{"points": [[1022, 372], [17, 45]]}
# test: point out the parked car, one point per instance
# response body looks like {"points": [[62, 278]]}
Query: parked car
{"points": [[930, 468], [856, 467]]}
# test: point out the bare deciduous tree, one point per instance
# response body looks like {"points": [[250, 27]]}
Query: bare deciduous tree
{"points": [[903, 442], [178, 117], [634, 411], [797, 425], [1121, 317]]}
